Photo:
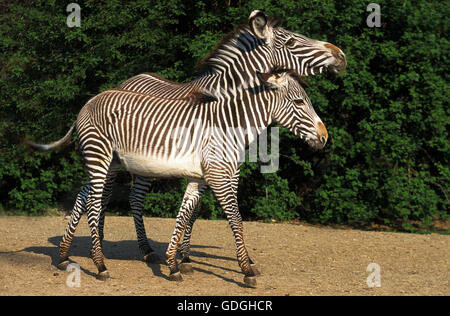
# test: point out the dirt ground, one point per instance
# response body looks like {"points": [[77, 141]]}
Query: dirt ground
{"points": [[293, 260]]}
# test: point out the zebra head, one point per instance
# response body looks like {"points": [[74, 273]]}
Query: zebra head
{"points": [[293, 109], [296, 52]]}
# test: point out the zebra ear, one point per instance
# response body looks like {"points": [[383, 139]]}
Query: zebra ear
{"points": [[273, 80], [258, 24]]}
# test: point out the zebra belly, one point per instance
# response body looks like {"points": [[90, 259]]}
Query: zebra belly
{"points": [[147, 166]]}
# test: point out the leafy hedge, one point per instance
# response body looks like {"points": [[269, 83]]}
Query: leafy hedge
{"points": [[388, 159]]}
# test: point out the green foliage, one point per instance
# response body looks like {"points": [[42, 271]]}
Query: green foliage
{"points": [[387, 115], [165, 202], [277, 201]]}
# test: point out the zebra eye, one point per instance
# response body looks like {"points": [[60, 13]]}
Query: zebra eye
{"points": [[299, 102], [290, 42]]}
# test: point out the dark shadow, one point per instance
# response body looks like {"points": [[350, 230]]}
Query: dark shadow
{"points": [[26, 258], [156, 269], [201, 254], [240, 284], [120, 250], [215, 266]]}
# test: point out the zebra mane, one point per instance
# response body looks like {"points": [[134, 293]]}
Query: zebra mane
{"points": [[205, 64]]}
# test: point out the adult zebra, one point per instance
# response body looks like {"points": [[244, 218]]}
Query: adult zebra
{"points": [[259, 46], [195, 139]]}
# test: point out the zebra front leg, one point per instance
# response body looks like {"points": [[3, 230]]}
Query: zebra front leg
{"points": [[137, 195], [66, 241], [190, 200], [226, 194], [185, 265], [235, 184]]}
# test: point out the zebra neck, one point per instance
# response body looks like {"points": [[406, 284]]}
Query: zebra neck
{"points": [[247, 116], [235, 65]]}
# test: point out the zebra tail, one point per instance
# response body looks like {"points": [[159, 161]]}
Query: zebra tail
{"points": [[67, 139]]}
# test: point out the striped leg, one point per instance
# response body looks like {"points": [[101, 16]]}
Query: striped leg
{"points": [[107, 192], [101, 222], [78, 210], [235, 185], [106, 196], [93, 207], [98, 154], [185, 266], [185, 246], [226, 193], [190, 200], [137, 195]]}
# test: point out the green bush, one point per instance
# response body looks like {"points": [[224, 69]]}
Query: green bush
{"points": [[387, 115], [165, 202]]}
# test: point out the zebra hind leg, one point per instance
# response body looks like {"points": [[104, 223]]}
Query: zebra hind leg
{"points": [[98, 154], [66, 241], [93, 206], [75, 216], [106, 196], [137, 195]]}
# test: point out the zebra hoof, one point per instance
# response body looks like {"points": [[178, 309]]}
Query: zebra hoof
{"points": [[186, 268], [176, 277], [255, 269], [63, 264], [250, 281], [152, 257], [103, 276]]}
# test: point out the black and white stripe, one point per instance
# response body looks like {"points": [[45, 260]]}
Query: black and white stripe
{"points": [[259, 46], [229, 77], [138, 129]]}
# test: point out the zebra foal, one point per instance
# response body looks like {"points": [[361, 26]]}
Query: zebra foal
{"points": [[141, 132]]}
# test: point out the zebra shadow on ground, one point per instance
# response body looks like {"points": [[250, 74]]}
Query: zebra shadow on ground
{"points": [[128, 250]]}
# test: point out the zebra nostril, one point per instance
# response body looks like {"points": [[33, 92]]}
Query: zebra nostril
{"points": [[323, 140]]}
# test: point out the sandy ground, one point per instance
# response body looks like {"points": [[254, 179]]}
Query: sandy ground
{"points": [[293, 260]]}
